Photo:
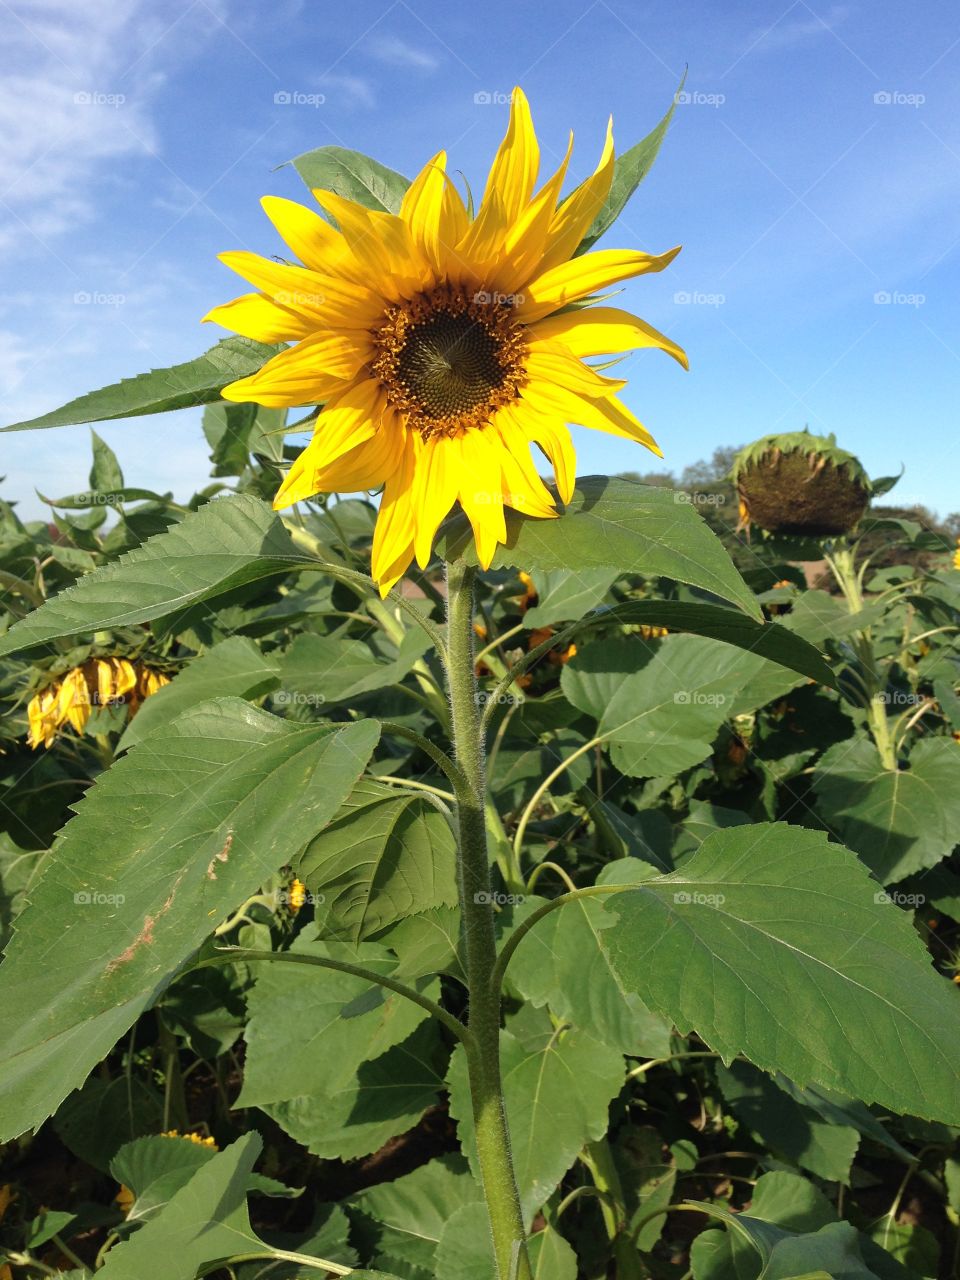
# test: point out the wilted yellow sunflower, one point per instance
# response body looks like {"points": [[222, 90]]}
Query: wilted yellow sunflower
{"points": [[442, 346], [100, 682]]}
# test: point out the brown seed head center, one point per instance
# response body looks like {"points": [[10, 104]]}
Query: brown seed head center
{"points": [[449, 361]]}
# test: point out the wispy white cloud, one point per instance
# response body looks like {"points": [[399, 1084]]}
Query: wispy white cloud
{"points": [[799, 26], [351, 90], [81, 95], [395, 52]]}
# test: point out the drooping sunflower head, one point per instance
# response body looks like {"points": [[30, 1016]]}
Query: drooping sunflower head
{"points": [[800, 484], [71, 697], [442, 346]]}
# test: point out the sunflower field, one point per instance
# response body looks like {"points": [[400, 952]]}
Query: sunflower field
{"points": [[414, 865]]}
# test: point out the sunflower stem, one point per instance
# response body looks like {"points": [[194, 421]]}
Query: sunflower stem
{"points": [[842, 564], [479, 938]]}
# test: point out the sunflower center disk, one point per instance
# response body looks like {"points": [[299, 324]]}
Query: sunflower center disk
{"points": [[448, 362]]}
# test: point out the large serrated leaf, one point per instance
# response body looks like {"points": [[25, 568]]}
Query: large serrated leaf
{"points": [[770, 942], [163, 847], [612, 523], [899, 820], [659, 716], [385, 856], [182, 386], [226, 544], [629, 170], [557, 1095], [352, 175]]}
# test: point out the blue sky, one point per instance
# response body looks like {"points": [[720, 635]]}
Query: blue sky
{"points": [[813, 177]]}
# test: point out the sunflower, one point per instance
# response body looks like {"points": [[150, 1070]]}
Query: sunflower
{"points": [[100, 682], [441, 346]]}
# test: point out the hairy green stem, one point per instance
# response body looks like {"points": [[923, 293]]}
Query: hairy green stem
{"points": [[479, 938], [843, 567]]}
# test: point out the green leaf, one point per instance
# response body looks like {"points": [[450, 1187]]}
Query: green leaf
{"points": [[331, 669], [764, 639], [235, 431], [899, 821], [183, 386], [401, 1222], [769, 942], [205, 1220], [105, 474], [662, 718], [557, 1094], [563, 965], [629, 170], [792, 1132], [386, 855], [614, 524], [562, 595], [164, 845], [233, 668], [96, 1121], [226, 544], [340, 1077], [386, 1097], [465, 1250], [426, 943], [353, 176]]}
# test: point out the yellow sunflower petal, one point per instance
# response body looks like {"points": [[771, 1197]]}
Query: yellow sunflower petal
{"points": [[513, 173], [347, 419], [367, 465], [608, 415], [579, 277], [393, 537], [523, 489], [255, 316], [435, 490], [435, 214], [556, 442], [597, 331], [316, 243], [554, 363], [526, 240], [481, 492], [125, 677], [310, 372], [381, 243], [323, 299], [573, 218]]}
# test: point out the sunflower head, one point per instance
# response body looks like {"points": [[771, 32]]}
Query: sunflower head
{"points": [[71, 698], [442, 346], [798, 483]]}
